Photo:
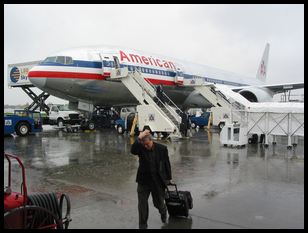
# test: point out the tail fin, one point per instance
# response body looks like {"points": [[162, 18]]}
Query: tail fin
{"points": [[262, 70]]}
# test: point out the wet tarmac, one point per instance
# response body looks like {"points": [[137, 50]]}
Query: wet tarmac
{"points": [[252, 187]]}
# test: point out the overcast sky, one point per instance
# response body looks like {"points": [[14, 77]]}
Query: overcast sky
{"points": [[230, 37]]}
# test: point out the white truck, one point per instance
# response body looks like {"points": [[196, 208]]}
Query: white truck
{"points": [[60, 115]]}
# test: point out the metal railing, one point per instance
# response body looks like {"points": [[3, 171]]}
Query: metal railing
{"points": [[151, 90], [292, 98]]}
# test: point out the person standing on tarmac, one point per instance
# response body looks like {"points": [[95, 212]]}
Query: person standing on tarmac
{"points": [[184, 126], [153, 174]]}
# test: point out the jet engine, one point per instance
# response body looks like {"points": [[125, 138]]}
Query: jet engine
{"points": [[257, 94]]}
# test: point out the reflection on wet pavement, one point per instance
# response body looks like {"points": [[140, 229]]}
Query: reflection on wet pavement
{"points": [[252, 187]]}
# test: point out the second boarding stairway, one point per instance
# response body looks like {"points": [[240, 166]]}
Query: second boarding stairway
{"points": [[268, 118], [221, 96]]}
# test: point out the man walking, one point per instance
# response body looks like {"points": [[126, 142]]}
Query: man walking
{"points": [[153, 174], [160, 94]]}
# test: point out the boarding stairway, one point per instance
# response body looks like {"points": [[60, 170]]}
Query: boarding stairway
{"points": [[216, 98], [269, 118], [221, 96], [146, 95]]}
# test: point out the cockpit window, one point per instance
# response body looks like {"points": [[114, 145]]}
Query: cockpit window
{"points": [[50, 59], [68, 60], [59, 59]]}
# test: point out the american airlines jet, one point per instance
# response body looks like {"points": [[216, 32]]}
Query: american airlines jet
{"points": [[82, 74]]}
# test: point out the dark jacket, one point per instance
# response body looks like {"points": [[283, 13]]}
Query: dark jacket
{"points": [[162, 162]]}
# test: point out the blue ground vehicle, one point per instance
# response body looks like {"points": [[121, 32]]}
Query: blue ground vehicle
{"points": [[120, 126], [125, 125], [22, 122], [200, 121]]}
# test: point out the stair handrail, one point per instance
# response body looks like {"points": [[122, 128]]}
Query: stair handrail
{"points": [[153, 88]]}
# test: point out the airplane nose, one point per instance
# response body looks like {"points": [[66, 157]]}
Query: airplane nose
{"points": [[36, 77]]}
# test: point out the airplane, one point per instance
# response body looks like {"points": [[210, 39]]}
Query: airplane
{"points": [[83, 75]]}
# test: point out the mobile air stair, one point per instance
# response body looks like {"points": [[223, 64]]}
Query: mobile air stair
{"points": [[157, 115], [221, 97], [248, 118]]}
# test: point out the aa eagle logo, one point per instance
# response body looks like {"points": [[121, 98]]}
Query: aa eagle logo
{"points": [[15, 74]]}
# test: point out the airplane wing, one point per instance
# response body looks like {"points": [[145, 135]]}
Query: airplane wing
{"points": [[276, 88]]}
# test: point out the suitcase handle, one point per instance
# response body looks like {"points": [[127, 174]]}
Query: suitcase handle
{"points": [[176, 188]]}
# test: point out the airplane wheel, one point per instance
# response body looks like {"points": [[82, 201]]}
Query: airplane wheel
{"points": [[193, 125], [23, 129]]}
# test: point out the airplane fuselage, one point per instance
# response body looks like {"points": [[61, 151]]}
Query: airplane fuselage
{"points": [[82, 75]]}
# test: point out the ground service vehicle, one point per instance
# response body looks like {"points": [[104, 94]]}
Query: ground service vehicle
{"points": [[61, 114], [104, 118], [34, 211], [126, 111], [200, 121], [125, 125], [22, 122]]}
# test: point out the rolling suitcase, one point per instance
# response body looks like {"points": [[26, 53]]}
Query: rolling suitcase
{"points": [[178, 202]]}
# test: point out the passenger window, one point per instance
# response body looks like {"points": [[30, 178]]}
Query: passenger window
{"points": [[60, 59]]}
